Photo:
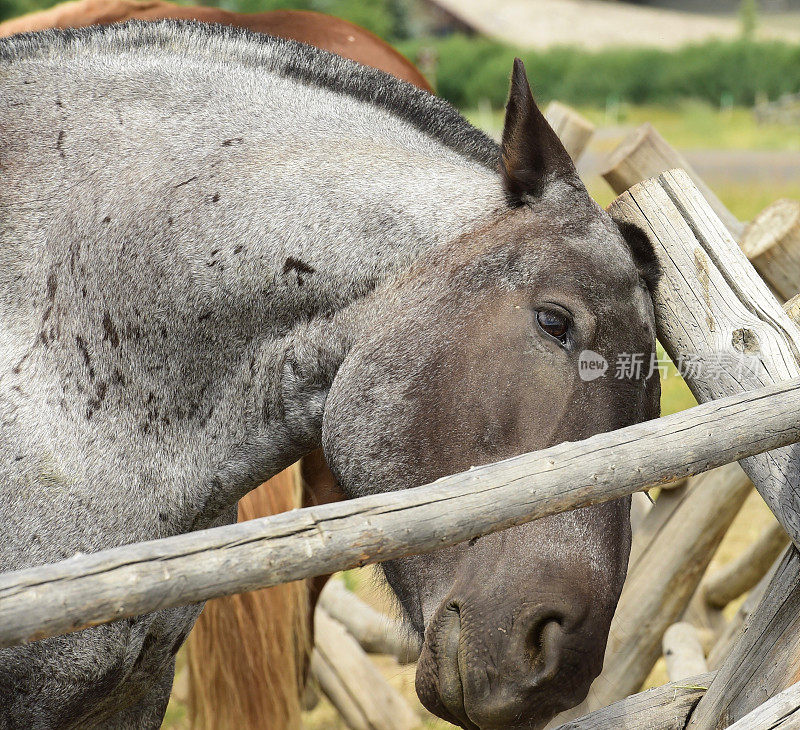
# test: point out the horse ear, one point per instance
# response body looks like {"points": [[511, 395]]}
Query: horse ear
{"points": [[532, 153]]}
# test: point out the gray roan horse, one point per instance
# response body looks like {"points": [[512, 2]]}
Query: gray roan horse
{"points": [[221, 250]]}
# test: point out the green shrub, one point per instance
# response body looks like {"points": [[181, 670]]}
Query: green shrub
{"points": [[469, 70]]}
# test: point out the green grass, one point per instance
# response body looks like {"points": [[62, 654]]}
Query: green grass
{"points": [[744, 200], [696, 125], [175, 718], [687, 125]]}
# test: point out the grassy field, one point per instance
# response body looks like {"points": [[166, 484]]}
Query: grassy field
{"points": [[688, 126], [695, 125]]}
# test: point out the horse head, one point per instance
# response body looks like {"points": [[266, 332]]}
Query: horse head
{"points": [[476, 353]]}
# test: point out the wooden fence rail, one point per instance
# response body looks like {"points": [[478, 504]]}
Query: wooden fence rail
{"points": [[764, 658], [713, 313], [743, 574], [136, 579], [660, 708], [710, 300], [782, 712]]}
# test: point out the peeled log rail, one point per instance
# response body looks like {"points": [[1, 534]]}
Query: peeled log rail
{"points": [[683, 652], [728, 636], [656, 519], [573, 129], [134, 579], [353, 684], [646, 154], [374, 631], [782, 712], [710, 302], [661, 708], [743, 573], [772, 242], [765, 658]]}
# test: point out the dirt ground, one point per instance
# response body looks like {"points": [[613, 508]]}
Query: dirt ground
{"points": [[597, 23]]}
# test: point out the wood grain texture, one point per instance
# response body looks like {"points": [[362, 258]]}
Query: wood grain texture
{"points": [[710, 300], [683, 652], [712, 304], [782, 712], [765, 658], [644, 154], [772, 242], [661, 708], [573, 129], [135, 579]]}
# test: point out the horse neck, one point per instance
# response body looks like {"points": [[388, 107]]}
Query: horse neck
{"points": [[163, 291]]}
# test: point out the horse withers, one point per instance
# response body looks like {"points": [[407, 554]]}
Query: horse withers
{"points": [[222, 250]]}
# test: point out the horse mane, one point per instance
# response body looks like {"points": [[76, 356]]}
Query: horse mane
{"points": [[248, 653], [306, 64]]}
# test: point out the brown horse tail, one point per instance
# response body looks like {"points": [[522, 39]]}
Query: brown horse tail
{"points": [[246, 655]]}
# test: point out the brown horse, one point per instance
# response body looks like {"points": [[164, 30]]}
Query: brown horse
{"points": [[323, 31], [247, 654]]}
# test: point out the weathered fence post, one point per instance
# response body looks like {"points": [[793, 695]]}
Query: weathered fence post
{"points": [[781, 712], [765, 658], [355, 687], [645, 154], [661, 708], [772, 242], [573, 130], [683, 652], [711, 301]]}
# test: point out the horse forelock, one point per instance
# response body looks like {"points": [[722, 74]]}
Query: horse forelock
{"points": [[306, 64]]}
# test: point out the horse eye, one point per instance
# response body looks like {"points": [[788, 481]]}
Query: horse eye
{"points": [[553, 323]]}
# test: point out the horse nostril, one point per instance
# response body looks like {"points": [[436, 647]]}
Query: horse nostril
{"points": [[450, 687], [543, 642]]}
